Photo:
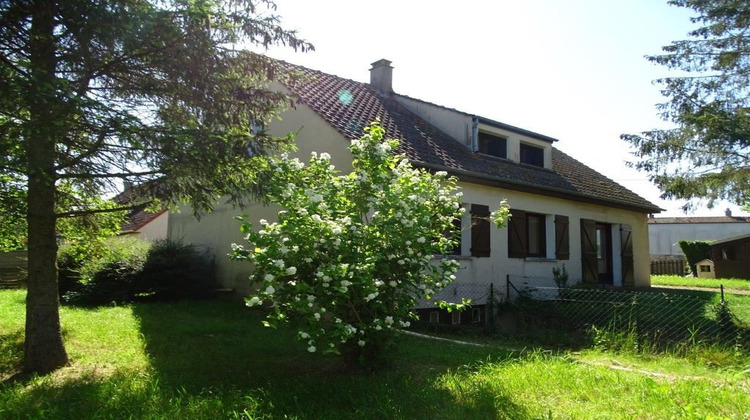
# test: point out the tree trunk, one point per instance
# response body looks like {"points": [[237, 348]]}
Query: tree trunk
{"points": [[44, 350]]}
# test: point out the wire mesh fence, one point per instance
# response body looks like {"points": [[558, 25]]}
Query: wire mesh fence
{"points": [[536, 307]]}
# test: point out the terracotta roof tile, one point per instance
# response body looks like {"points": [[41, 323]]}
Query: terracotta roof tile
{"points": [[349, 106], [138, 218]]}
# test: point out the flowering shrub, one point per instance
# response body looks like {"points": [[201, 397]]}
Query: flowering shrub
{"points": [[351, 254]]}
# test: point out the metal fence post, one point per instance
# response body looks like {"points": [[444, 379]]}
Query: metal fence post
{"points": [[507, 288], [491, 307]]}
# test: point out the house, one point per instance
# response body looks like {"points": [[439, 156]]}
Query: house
{"points": [[563, 211], [731, 257], [664, 233], [146, 225], [140, 222]]}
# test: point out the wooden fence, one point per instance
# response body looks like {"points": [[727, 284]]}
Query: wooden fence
{"points": [[669, 265], [13, 269]]}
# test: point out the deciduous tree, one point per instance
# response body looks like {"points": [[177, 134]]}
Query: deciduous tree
{"points": [[706, 153], [99, 92]]}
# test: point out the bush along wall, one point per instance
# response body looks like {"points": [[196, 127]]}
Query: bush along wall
{"points": [[131, 269], [695, 251], [174, 271]]}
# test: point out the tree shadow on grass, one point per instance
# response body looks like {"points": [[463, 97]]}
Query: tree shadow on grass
{"points": [[11, 356], [220, 347]]}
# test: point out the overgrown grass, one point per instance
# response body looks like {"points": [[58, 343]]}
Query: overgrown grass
{"points": [[679, 281], [212, 359]]}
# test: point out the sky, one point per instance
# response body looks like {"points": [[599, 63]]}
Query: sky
{"points": [[574, 70]]}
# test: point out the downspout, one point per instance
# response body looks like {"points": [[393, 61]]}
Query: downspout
{"points": [[474, 133]]}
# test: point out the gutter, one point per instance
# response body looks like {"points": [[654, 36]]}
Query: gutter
{"points": [[475, 134]]}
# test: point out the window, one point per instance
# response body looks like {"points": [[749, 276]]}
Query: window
{"points": [[532, 155], [434, 317], [456, 317], [537, 237], [728, 254], [490, 144], [527, 235], [480, 230], [455, 233], [705, 268]]}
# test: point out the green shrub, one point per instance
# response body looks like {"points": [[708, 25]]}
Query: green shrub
{"points": [[173, 271], [111, 276], [68, 270], [129, 268], [695, 251]]}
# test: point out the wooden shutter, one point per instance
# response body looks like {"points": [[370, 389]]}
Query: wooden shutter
{"points": [[562, 238], [517, 235], [590, 268], [626, 252], [480, 230]]}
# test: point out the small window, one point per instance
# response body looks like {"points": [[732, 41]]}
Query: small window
{"points": [[490, 144], [532, 155], [455, 233], [537, 235], [480, 230], [705, 268], [527, 235], [455, 317], [728, 254], [434, 317]]}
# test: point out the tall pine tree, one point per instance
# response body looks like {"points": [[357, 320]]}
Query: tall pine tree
{"points": [[95, 93], [707, 153]]}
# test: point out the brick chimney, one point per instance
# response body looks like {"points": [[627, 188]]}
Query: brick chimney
{"points": [[381, 76]]}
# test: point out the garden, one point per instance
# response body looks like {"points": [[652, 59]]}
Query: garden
{"points": [[214, 359]]}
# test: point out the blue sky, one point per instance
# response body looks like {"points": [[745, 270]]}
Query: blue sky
{"points": [[570, 69]]}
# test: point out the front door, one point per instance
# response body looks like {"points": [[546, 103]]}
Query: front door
{"points": [[604, 253]]}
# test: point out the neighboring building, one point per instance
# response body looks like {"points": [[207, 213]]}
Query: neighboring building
{"points": [[146, 225], [563, 211], [664, 233], [151, 226], [731, 257]]}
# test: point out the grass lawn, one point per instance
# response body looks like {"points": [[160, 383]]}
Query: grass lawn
{"points": [[680, 281], [213, 359]]}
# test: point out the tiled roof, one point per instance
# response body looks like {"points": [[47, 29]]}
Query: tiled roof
{"points": [[138, 218], [693, 220], [349, 106]]}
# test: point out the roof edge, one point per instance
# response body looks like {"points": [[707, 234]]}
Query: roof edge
{"points": [[482, 179]]}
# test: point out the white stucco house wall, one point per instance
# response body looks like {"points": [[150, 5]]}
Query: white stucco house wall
{"points": [[563, 211]]}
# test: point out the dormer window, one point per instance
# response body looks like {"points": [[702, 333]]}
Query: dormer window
{"points": [[532, 155], [493, 145]]}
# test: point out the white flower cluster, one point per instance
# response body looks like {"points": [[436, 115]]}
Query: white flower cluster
{"points": [[348, 251]]}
